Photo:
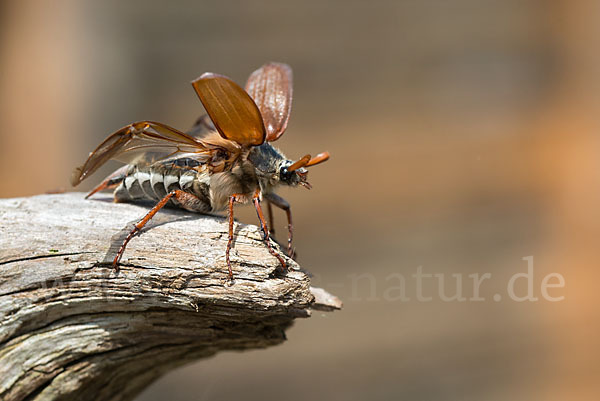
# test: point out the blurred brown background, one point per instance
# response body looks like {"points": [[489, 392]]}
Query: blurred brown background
{"points": [[464, 137]]}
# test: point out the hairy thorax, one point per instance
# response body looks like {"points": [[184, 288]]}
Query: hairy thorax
{"points": [[240, 180]]}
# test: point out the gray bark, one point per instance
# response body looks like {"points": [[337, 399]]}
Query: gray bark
{"points": [[72, 327]]}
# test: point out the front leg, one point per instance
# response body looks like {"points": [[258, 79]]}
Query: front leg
{"points": [[284, 205], [263, 224]]}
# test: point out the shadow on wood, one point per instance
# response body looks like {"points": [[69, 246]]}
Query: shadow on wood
{"points": [[72, 328]]}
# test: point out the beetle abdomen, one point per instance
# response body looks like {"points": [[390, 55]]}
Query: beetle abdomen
{"points": [[154, 182]]}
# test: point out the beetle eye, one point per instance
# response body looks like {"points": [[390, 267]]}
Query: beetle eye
{"points": [[284, 174]]}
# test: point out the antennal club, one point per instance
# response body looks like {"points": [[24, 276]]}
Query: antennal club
{"points": [[300, 163], [320, 158]]}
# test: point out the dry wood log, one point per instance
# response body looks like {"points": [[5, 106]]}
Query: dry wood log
{"points": [[72, 327]]}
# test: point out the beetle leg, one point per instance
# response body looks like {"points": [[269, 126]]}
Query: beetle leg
{"points": [[284, 205], [180, 195], [232, 199], [265, 229], [271, 221]]}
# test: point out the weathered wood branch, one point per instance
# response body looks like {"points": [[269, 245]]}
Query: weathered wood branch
{"points": [[72, 327]]}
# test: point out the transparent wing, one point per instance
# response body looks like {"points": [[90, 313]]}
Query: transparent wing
{"points": [[271, 88], [141, 142]]}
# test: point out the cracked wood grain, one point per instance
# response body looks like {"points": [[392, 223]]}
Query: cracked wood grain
{"points": [[71, 327]]}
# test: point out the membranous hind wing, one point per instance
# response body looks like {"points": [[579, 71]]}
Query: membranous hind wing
{"points": [[140, 143]]}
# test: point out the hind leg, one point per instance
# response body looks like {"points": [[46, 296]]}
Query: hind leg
{"points": [[182, 197]]}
